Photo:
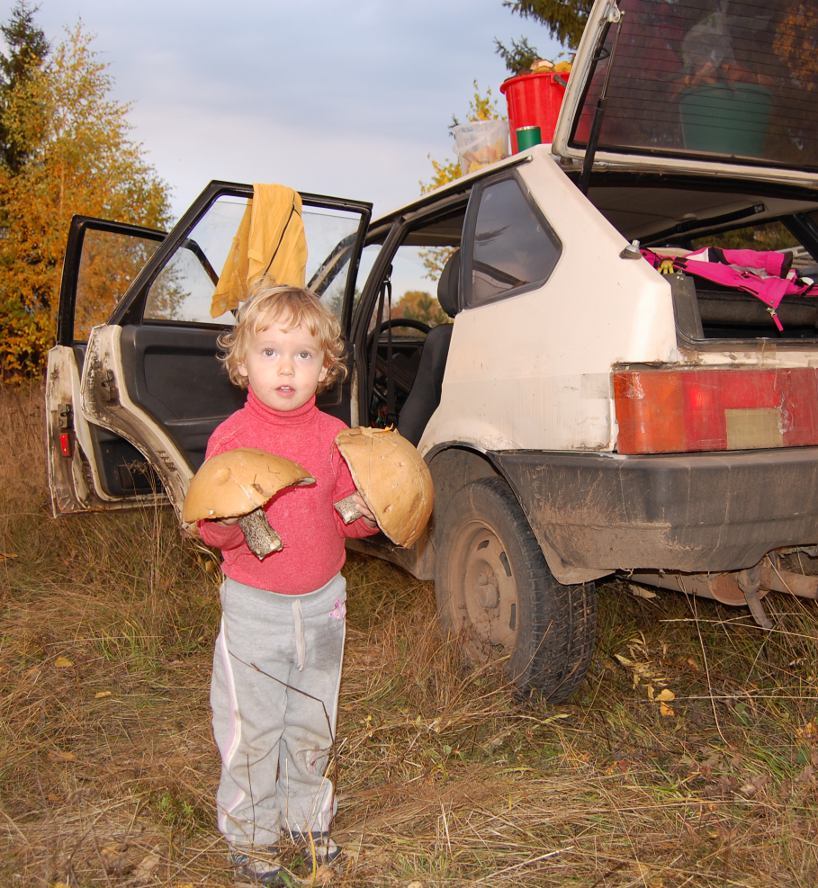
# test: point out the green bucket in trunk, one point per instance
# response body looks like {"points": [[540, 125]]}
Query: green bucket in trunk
{"points": [[726, 119]]}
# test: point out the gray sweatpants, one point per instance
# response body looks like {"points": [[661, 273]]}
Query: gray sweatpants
{"points": [[274, 695]]}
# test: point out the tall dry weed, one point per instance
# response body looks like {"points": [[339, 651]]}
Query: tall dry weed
{"points": [[689, 756]]}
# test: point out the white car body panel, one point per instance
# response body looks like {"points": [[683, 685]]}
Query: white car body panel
{"points": [[516, 377], [62, 391]]}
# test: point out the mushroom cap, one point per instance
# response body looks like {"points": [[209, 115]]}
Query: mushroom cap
{"points": [[392, 477], [236, 482]]}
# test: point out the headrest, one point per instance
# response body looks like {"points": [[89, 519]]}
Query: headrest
{"points": [[449, 284]]}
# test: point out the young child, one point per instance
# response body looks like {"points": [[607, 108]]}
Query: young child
{"points": [[277, 662]]}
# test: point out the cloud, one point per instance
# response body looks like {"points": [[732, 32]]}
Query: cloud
{"points": [[328, 96]]}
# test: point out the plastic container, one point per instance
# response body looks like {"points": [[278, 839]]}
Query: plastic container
{"points": [[534, 100], [527, 136], [726, 119], [480, 142]]}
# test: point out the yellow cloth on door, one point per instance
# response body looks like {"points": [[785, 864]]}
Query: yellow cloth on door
{"points": [[269, 245]]}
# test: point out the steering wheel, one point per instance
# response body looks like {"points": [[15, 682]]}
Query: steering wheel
{"points": [[401, 322], [402, 382]]}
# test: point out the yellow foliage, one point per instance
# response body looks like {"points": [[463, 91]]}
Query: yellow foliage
{"points": [[794, 43], [482, 106], [420, 306], [80, 159]]}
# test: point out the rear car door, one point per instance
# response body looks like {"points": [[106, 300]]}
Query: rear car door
{"points": [[134, 386]]}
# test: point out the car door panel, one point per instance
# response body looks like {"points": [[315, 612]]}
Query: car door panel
{"points": [[88, 466], [106, 401], [174, 375], [141, 399]]}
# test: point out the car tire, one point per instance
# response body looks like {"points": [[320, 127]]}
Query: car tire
{"points": [[495, 591]]}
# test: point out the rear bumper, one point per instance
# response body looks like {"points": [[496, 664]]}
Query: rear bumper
{"points": [[596, 513]]}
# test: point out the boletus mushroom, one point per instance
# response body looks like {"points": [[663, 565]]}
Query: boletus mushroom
{"points": [[393, 479], [238, 484]]}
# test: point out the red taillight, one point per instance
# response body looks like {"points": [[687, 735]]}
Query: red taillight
{"points": [[676, 411], [65, 443]]}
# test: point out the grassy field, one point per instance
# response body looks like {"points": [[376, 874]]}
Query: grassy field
{"points": [[688, 757]]}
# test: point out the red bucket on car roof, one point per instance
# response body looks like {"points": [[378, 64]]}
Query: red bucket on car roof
{"points": [[534, 100]]}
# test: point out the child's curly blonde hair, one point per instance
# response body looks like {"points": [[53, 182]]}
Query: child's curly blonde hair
{"points": [[293, 307]]}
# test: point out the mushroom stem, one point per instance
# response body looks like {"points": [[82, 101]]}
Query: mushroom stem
{"points": [[262, 540], [347, 509]]}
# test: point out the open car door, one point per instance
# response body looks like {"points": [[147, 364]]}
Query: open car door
{"points": [[134, 385]]}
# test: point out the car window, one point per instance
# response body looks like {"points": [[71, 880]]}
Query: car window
{"points": [[110, 261], [733, 81], [512, 246], [183, 290], [414, 288]]}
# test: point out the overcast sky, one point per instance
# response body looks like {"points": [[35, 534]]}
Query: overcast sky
{"points": [[342, 98]]}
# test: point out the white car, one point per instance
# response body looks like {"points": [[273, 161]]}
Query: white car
{"points": [[583, 414]]}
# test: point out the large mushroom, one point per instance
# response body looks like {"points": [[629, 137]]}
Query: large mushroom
{"points": [[393, 479], [238, 484]]}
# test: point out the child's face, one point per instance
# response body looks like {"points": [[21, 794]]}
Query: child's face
{"points": [[283, 365]]}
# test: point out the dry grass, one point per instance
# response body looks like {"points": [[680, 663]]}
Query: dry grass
{"points": [[107, 769]]}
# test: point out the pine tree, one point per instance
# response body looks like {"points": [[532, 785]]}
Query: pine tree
{"points": [[27, 50], [563, 19], [78, 157]]}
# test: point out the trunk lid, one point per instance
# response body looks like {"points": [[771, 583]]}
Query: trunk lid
{"points": [[695, 86]]}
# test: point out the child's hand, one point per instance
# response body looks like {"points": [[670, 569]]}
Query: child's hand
{"points": [[363, 508]]}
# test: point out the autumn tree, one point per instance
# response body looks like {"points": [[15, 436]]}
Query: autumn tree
{"points": [[482, 106], [79, 158], [420, 306], [27, 49], [563, 19]]}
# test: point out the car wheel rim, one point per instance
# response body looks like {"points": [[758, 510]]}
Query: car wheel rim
{"points": [[488, 592]]}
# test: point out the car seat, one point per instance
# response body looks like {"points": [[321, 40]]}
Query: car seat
{"points": [[424, 395]]}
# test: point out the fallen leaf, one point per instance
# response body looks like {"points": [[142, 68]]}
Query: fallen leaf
{"points": [[5, 555], [63, 663], [640, 591], [145, 868], [666, 711], [665, 696], [101, 695], [809, 731], [115, 859]]}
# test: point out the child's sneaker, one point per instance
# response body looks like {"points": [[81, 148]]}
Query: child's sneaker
{"points": [[319, 845], [257, 866]]}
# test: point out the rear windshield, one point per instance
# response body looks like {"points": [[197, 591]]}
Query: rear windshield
{"points": [[729, 80]]}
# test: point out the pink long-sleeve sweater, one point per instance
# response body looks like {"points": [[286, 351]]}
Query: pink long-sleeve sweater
{"points": [[304, 517]]}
